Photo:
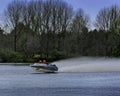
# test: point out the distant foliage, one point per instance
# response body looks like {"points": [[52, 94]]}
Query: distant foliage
{"points": [[10, 56], [50, 29]]}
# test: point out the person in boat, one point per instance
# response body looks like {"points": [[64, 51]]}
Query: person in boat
{"points": [[42, 61]]}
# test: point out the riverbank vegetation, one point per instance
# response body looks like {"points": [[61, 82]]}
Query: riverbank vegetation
{"points": [[52, 30]]}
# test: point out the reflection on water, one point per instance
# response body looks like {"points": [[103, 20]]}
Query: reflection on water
{"points": [[89, 64]]}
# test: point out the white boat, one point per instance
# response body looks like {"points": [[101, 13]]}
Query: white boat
{"points": [[47, 68]]}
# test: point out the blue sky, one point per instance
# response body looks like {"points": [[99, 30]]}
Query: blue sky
{"points": [[3, 4], [91, 7]]}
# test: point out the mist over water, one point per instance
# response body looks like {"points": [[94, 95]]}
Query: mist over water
{"points": [[89, 64]]}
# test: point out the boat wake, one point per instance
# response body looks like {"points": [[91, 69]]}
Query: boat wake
{"points": [[89, 64]]}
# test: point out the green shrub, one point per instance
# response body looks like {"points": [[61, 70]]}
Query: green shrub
{"points": [[58, 54], [36, 57], [10, 56], [116, 52], [30, 60]]}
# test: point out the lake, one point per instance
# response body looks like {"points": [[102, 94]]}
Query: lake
{"points": [[69, 81]]}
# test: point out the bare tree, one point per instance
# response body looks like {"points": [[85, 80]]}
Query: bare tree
{"points": [[80, 21], [65, 13], [107, 17], [13, 18]]}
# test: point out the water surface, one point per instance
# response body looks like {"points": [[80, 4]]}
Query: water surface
{"points": [[23, 81]]}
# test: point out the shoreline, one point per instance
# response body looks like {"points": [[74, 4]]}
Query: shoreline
{"points": [[17, 64]]}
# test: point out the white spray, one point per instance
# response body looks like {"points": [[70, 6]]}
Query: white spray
{"points": [[89, 64]]}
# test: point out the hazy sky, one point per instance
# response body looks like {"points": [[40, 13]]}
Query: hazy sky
{"points": [[91, 7]]}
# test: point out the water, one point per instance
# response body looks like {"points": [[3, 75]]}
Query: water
{"points": [[23, 81]]}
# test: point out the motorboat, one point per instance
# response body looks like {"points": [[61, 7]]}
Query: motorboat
{"points": [[46, 68]]}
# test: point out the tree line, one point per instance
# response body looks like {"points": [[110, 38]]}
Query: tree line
{"points": [[51, 29]]}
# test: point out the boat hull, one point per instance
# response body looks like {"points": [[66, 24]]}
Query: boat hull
{"points": [[47, 68]]}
